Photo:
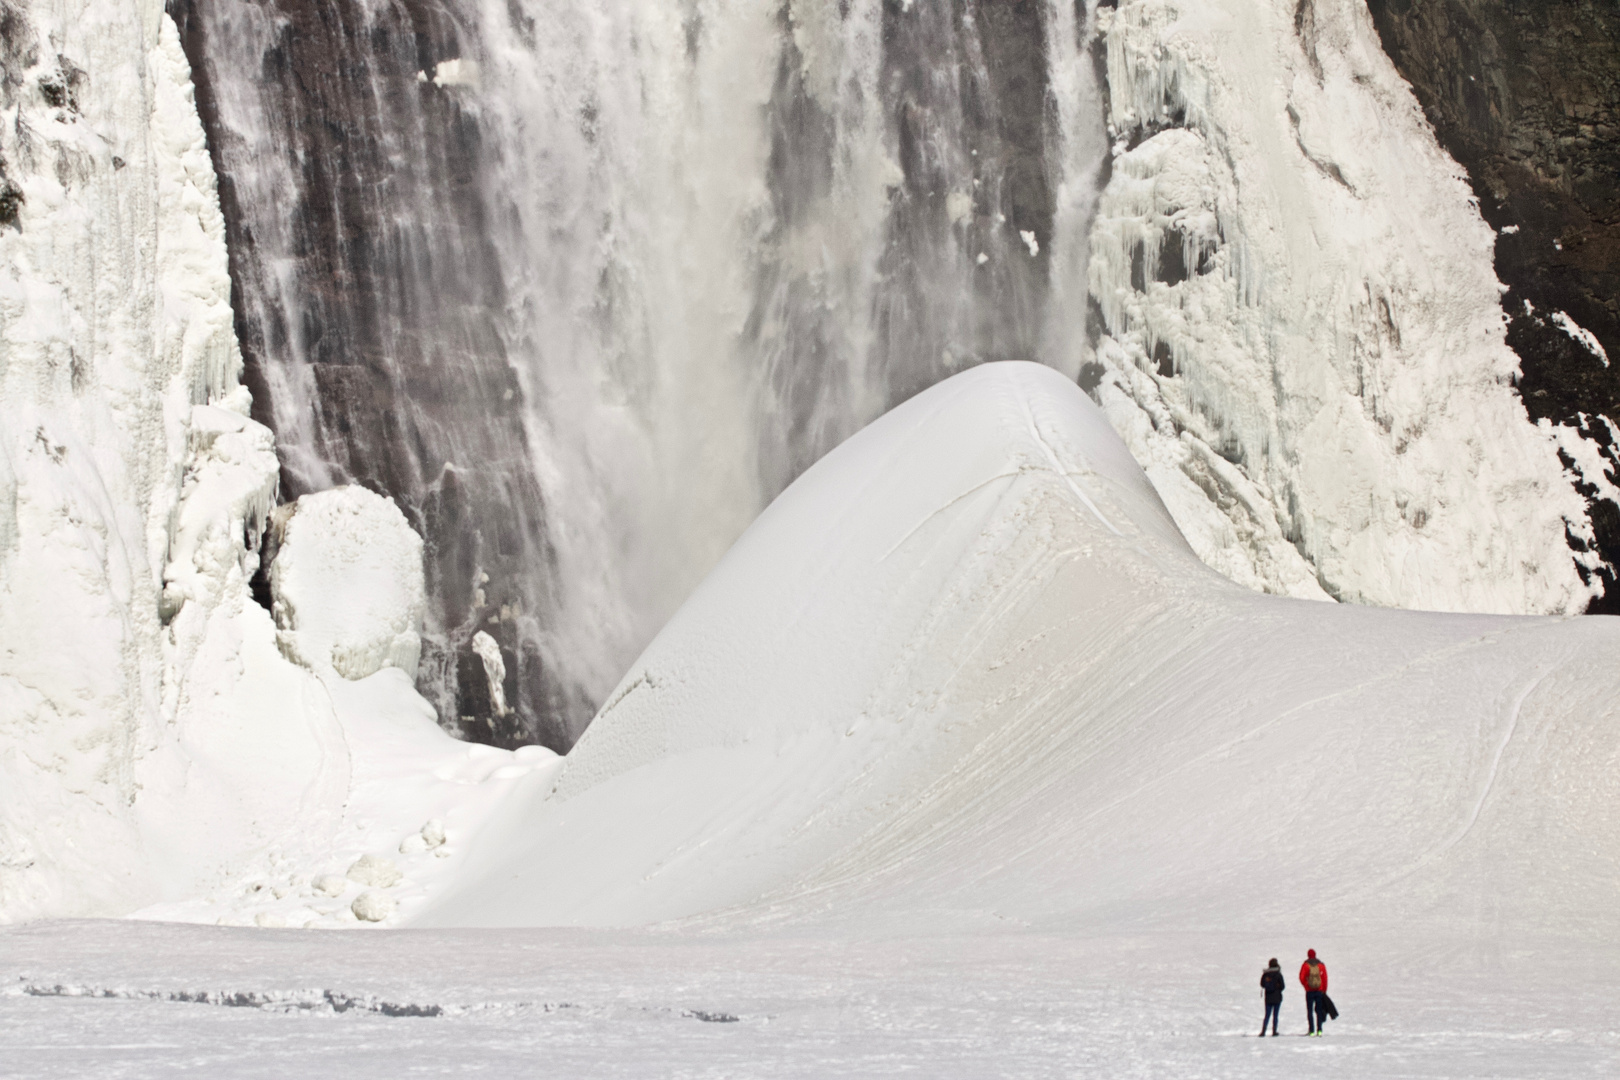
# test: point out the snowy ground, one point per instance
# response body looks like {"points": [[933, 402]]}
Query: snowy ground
{"points": [[827, 1000]]}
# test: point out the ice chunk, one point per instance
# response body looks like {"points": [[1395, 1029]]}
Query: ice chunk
{"points": [[433, 833], [377, 871], [430, 837], [1587, 339], [330, 885], [372, 907], [494, 670], [457, 71]]}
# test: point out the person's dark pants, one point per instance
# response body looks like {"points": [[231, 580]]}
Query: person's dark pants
{"points": [[1273, 1008], [1315, 1009]]}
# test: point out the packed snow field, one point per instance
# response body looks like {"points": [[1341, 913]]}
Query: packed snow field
{"points": [[960, 761], [837, 999]]}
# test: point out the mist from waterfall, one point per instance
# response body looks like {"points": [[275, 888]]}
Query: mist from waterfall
{"points": [[583, 285]]}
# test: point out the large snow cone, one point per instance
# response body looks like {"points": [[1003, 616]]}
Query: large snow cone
{"points": [[347, 585]]}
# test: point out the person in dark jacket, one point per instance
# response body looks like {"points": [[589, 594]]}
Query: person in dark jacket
{"points": [[1272, 982], [1313, 977]]}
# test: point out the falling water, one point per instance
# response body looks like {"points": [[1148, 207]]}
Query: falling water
{"points": [[583, 285]]}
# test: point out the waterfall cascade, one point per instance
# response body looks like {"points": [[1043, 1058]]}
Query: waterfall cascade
{"points": [[583, 286]]}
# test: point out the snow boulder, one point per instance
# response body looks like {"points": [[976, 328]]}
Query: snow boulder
{"points": [[375, 871], [372, 907], [347, 585]]}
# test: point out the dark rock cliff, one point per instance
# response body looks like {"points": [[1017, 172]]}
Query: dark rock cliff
{"points": [[1525, 94], [367, 305]]}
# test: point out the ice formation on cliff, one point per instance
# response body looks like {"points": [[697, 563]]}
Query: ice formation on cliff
{"points": [[1302, 338], [130, 472], [154, 742]]}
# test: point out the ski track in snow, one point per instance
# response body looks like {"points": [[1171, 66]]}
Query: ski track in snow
{"points": [[1496, 758]]}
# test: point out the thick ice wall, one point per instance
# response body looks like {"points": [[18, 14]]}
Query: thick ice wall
{"points": [[965, 672], [134, 484], [1302, 339]]}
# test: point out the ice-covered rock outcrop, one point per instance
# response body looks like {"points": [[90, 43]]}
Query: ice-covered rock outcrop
{"points": [[1301, 339], [346, 585], [114, 322], [966, 672], [150, 735]]}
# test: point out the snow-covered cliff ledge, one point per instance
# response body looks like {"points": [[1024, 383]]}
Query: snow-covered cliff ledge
{"points": [[1301, 333], [130, 473]]}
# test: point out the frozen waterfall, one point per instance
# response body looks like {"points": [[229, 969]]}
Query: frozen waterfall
{"points": [[583, 286]]}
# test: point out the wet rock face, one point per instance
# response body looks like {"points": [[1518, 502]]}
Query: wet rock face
{"points": [[962, 101], [367, 301], [965, 94], [396, 301], [1525, 94]]}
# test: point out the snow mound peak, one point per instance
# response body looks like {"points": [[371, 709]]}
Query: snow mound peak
{"points": [[347, 585], [965, 671]]}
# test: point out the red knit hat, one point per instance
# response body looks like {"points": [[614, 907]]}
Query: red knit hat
{"points": [[1310, 953]]}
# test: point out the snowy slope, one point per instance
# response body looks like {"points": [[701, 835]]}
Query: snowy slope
{"points": [[967, 670], [1302, 337]]}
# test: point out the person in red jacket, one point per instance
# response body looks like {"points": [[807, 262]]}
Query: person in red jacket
{"points": [[1313, 977]]}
